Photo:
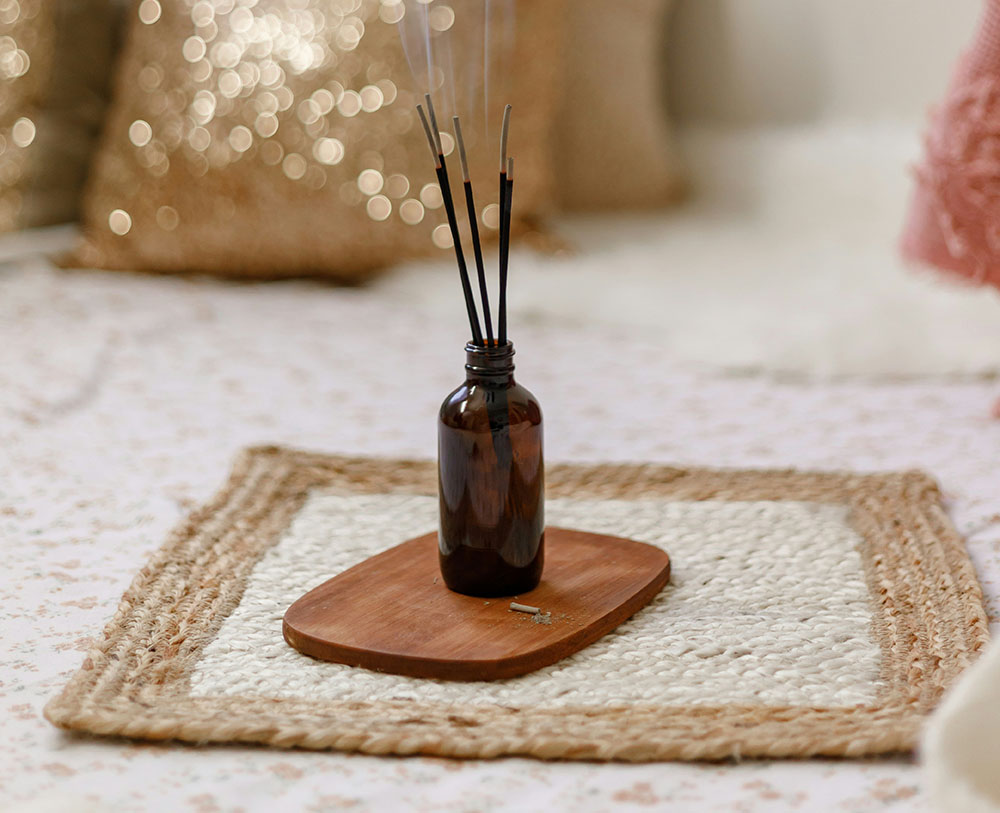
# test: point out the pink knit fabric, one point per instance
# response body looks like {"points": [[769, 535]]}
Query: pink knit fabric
{"points": [[954, 218]]}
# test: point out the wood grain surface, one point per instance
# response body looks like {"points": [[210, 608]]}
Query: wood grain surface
{"points": [[392, 613]]}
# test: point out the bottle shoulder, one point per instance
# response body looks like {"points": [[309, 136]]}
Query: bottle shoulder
{"points": [[468, 405]]}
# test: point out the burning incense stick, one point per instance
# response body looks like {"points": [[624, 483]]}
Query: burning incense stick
{"points": [[433, 134], [441, 167], [470, 203], [505, 249]]}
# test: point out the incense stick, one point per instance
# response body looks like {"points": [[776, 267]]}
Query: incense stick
{"points": [[502, 309], [430, 136], [505, 249], [441, 168], [470, 203], [434, 124], [504, 131]]}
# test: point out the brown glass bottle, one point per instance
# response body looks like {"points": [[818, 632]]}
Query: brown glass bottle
{"points": [[491, 480]]}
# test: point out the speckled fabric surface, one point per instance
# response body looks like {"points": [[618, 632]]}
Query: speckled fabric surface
{"points": [[123, 400]]}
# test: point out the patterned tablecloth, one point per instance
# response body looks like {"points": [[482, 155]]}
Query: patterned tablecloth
{"points": [[124, 399]]}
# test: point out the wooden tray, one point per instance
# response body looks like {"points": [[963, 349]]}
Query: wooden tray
{"points": [[392, 613]]}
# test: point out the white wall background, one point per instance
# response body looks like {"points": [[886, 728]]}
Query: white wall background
{"points": [[755, 62]]}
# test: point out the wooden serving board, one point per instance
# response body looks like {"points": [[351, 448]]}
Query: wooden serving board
{"points": [[392, 612]]}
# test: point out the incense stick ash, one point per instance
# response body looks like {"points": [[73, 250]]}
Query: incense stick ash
{"points": [[537, 615]]}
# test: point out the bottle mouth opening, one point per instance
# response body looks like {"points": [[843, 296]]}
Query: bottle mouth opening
{"points": [[490, 351], [491, 360]]}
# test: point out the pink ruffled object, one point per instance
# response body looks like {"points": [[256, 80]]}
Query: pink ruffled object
{"points": [[954, 218]]}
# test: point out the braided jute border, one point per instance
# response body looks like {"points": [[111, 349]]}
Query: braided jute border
{"points": [[927, 609]]}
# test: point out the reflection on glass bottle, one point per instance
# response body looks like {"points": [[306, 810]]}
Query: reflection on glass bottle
{"points": [[491, 480]]}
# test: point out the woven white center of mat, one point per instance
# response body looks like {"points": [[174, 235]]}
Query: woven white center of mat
{"points": [[767, 606]]}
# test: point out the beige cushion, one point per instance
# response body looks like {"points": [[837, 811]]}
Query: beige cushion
{"points": [[615, 147], [27, 42], [51, 113]]}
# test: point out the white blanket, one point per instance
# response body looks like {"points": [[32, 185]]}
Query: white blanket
{"points": [[124, 398]]}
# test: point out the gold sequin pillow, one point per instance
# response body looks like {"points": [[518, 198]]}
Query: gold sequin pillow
{"points": [[279, 138]]}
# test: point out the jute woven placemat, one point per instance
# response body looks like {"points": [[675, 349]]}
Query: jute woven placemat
{"points": [[810, 614]]}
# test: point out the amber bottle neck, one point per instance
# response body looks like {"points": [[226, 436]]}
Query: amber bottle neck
{"points": [[489, 365]]}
